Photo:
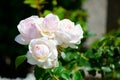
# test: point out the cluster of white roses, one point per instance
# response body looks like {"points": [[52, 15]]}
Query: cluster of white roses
{"points": [[43, 35]]}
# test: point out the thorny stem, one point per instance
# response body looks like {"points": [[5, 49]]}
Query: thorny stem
{"points": [[55, 77]]}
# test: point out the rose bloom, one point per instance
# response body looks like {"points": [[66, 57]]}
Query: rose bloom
{"points": [[42, 52], [49, 25], [68, 34], [29, 29]]}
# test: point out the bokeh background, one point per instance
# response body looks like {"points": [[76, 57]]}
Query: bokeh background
{"points": [[11, 12]]}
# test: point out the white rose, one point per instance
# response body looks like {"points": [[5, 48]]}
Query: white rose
{"points": [[49, 25], [42, 52], [29, 29], [68, 34]]}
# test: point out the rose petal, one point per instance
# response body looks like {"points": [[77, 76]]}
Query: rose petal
{"points": [[22, 40], [30, 59]]}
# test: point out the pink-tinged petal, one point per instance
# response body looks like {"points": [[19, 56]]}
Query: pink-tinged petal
{"points": [[50, 22], [66, 24], [49, 25], [29, 27], [68, 34], [22, 40], [43, 51]]}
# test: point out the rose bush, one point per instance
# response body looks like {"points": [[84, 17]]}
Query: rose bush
{"points": [[46, 37]]}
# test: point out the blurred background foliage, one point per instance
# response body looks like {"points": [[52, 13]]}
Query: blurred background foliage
{"points": [[104, 56]]}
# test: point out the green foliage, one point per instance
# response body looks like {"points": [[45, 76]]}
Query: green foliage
{"points": [[69, 69], [106, 69], [77, 76], [104, 54], [34, 3], [19, 60], [58, 73], [62, 73], [39, 73]]}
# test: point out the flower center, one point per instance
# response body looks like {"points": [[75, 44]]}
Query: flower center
{"points": [[69, 27], [41, 51]]}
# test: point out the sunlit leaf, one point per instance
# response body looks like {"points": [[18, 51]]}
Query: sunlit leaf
{"points": [[77, 76], [19, 60], [106, 69], [65, 75], [58, 70]]}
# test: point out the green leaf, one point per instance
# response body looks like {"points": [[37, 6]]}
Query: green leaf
{"points": [[46, 12], [118, 48], [68, 56], [112, 66], [83, 61], [77, 76], [65, 75], [43, 74], [33, 5], [19, 60], [39, 73], [30, 1], [54, 2], [27, 1], [60, 11], [98, 54], [58, 70], [62, 73], [110, 52], [91, 34], [89, 54], [106, 69], [118, 75]]}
